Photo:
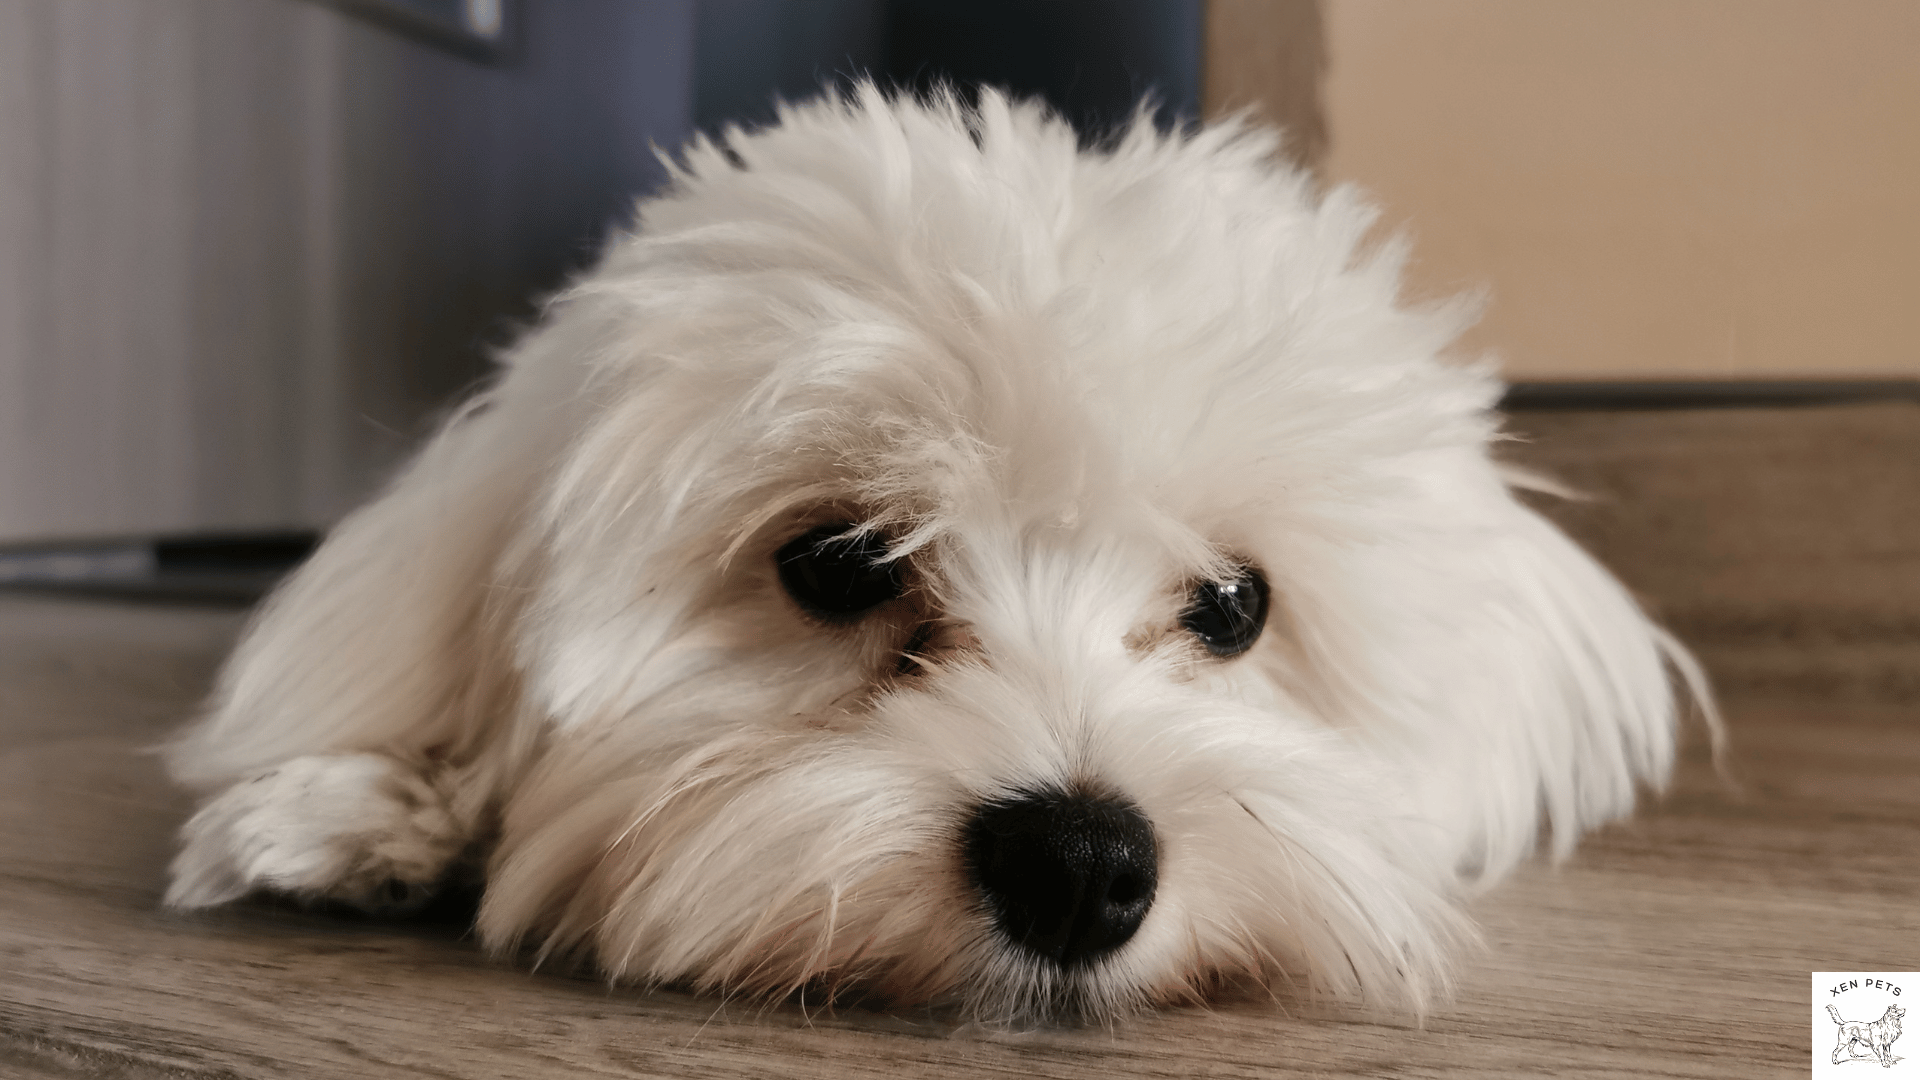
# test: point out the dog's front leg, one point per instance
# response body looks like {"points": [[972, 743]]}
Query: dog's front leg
{"points": [[366, 830]]}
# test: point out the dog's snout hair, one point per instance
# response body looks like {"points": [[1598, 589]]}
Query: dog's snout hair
{"points": [[928, 562]]}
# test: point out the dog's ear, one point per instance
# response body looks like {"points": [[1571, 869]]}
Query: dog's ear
{"points": [[1527, 692], [1578, 696], [390, 638]]}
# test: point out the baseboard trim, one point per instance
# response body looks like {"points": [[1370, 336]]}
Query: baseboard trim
{"points": [[200, 568], [1599, 395]]}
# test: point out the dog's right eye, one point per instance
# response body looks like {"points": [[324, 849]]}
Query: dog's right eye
{"points": [[838, 573]]}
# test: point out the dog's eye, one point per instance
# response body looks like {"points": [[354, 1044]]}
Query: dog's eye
{"points": [[837, 573], [1227, 616]]}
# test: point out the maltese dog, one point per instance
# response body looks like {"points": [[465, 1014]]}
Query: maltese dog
{"points": [[930, 563]]}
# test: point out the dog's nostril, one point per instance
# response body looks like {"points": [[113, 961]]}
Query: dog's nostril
{"points": [[1069, 877]]}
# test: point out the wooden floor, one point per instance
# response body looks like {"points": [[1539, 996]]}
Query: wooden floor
{"points": [[1675, 945]]}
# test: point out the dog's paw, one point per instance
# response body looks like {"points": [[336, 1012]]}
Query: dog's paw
{"points": [[357, 829]]}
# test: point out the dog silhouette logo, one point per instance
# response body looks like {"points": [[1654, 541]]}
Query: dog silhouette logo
{"points": [[1861, 1040]]}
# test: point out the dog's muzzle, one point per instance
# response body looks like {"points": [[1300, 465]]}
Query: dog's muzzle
{"points": [[1067, 876]]}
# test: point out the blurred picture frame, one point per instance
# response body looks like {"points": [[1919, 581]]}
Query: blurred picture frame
{"points": [[480, 30]]}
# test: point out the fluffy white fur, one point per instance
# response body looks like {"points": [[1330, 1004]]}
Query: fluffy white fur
{"points": [[1065, 385]]}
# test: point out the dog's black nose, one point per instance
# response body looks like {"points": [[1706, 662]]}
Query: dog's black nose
{"points": [[1068, 876]]}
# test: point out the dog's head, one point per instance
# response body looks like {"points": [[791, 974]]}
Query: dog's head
{"points": [[954, 566]]}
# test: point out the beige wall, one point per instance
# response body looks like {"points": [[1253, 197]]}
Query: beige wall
{"points": [[1649, 188]]}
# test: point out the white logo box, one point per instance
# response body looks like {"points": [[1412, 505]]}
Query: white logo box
{"points": [[1877, 1007]]}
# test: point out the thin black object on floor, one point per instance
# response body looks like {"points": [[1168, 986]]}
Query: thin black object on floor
{"points": [[225, 569]]}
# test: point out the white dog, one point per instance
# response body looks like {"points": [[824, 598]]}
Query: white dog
{"points": [[932, 563]]}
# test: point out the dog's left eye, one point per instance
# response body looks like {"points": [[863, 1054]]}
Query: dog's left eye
{"points": [[837, 573], [1227, 616]]}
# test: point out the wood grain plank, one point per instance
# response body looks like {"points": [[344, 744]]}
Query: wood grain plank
{"points": [[1594, 968]]}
